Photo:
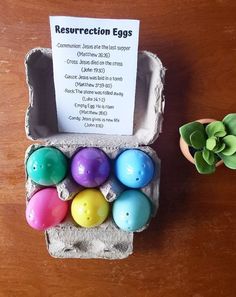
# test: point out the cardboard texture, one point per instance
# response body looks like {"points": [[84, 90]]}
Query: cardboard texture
{"points": [[68, 240]]}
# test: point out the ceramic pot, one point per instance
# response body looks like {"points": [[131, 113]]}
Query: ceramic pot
{"points": [[185, 148]]}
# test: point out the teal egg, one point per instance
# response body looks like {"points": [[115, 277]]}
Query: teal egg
{"points": [[131, 210], [47, 166]]}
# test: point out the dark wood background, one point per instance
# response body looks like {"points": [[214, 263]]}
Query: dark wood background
{"points": [[189, 249]]}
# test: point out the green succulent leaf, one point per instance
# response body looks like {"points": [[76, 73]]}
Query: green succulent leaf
{"points": [[197, 139], [208, 156], [211, 143], [230, 145], [205, 154], [229, 161], [221, 133], [219, 147], [187, 129], [216, 128], [230, 123], [202, 166]]}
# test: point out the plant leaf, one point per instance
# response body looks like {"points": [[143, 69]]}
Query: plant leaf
{"points": [[211, 143], [202, 166], [208, 156], [221, 133], [205, 154], [230, 142], [187, 129], [197, 139], [229, 161], [216, 128], [230, 123], [219, 147]]}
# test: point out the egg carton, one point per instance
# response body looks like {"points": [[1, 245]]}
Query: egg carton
{"points": [[68, 240]]}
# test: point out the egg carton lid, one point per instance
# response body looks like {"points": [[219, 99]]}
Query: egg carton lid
{"points": [[41, 115]]}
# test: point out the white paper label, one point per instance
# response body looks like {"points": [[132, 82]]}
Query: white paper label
{"points": [[95, 68]]}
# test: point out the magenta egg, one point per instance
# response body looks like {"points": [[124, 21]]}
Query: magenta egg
{"points": [[45, 209]]}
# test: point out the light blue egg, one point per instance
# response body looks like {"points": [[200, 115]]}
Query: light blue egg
{"points": [[134, 168], [131, 210]]}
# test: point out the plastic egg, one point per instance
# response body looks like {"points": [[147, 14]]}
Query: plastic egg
{"points": [[47, 166], [131, 210], [134, 168], [89, 208], [90, 167], [45, 209]]}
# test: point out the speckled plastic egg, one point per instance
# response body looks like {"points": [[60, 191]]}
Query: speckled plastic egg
{"points": [[90, 167], [131, 210], [134, 168], [47, 166], [45, 209], [89, 208]]}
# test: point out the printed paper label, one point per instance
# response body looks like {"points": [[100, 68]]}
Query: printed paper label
{"points": [[95, 69]]}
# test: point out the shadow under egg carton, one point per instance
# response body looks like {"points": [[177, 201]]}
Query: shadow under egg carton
{"points": [[68, 240]]}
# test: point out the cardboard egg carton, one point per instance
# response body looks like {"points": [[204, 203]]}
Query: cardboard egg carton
{"points": [[68, 240]]}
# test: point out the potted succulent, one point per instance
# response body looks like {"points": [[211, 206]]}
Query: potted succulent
{"points": [[208, 143]]}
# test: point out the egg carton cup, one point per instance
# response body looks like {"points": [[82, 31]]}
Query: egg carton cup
{"points": [[67, 239]]}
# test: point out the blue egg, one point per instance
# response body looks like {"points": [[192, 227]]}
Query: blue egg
{"points": [[131, 210], [134, 168]]}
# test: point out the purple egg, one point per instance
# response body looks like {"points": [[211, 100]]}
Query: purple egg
{"points": [[90, 167]]}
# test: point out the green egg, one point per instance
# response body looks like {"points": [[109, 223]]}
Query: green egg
{"points": [[47, 166]]}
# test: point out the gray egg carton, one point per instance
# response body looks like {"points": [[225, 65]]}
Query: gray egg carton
{"points": [[68, 240]]}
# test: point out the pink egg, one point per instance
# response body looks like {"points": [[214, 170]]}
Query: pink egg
{"points": [[45, 209]]}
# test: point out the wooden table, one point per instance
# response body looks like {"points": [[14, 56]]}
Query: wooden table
{"points": [[189, 249]]}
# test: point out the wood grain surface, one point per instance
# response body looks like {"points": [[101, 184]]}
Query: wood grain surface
{"points": [[190, 248]]}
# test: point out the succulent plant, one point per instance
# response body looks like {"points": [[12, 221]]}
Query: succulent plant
{"points": [[211, 143]]}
